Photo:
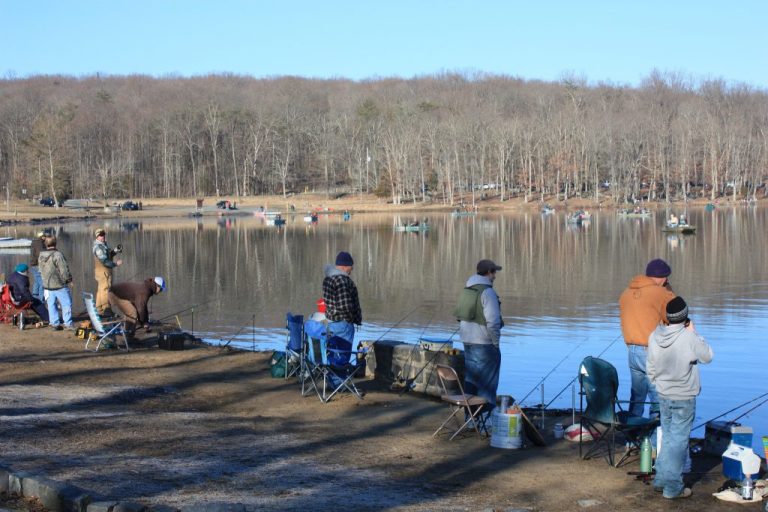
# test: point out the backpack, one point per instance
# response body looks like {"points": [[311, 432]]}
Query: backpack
{"points": [[470, 306]]}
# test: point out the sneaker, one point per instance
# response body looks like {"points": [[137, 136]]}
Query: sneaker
{"points": [[57, 327], [686, 493]]}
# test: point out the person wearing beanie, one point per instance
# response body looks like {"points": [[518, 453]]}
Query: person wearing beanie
{"points": [[479, 313], [641, 309], [342, 304], [57, 280], [103, 262], [18, 285], [674, 353], [35, 279], [132, 300]]}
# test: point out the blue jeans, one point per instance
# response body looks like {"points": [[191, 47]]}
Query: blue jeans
{"points": [[342, 329], [64, 298], [641, 384], [36, 283], [676, 420], [481, 371]]}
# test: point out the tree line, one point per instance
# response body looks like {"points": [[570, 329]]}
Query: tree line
{"points": [[430, 138]]}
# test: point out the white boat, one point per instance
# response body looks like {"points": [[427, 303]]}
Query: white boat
{"points": [[9, 242], [310, 218]]}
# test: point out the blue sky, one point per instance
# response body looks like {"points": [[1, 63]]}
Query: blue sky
{"points": [[614, 41]]}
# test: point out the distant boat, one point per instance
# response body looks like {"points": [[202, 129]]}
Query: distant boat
{"points": [[310, 218], [642, 213], [266, 213], [420, 227], [275, 221], [347, 216], [546, 209], [463, 213], [9, 242], [709, 207], [686, 229], [579, 217]]}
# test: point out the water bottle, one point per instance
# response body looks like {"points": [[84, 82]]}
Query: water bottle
{"points": [[747, 488], [646, 462]]}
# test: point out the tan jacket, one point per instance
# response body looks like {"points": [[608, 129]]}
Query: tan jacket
{"points": [[642, 306]]}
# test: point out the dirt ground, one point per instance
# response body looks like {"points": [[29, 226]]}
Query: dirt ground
{"points": [[205, 425]]}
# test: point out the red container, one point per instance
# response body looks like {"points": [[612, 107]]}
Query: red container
{"points": [[321, 305]]}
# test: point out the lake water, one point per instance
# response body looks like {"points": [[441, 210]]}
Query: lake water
{"points": [[559, 287]]}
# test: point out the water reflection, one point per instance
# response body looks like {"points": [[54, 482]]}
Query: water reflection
{"points": [[559, 286]]}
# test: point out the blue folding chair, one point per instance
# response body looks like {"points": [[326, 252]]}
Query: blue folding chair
{"points": [[331, 364], [294, 346]]}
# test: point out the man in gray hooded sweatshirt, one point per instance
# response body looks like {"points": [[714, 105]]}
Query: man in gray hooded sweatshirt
{"points": [[479, 312], [674, 352]]}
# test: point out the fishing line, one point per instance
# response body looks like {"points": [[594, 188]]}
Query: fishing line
{"points": [[553, 370], [415, 346], [577, 375], [736, 408], [225, 345], [408, 384], [184, 310]]}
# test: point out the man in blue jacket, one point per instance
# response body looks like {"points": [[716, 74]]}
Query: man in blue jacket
{"points": [[18, 282]]}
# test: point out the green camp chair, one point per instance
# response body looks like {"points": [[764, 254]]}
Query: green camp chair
{"points": [[604, 417]]}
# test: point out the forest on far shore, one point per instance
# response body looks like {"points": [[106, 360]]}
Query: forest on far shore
{"points": [[435, 137]]}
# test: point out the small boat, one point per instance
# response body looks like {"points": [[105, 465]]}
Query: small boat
{"points": [[709, 207], [275, 221], [9, 242], [196, 214], [266, 213], [637, 213], [547, 209], [417, 228], [310, 218], [579, 217], [347, 216], [463, 213], [686, 229]]}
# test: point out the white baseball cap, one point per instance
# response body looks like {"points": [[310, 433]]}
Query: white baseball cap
{"points": [[159, 281]]}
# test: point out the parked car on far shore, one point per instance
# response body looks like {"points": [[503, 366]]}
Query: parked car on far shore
{"points": [[47, 201], [129, 206]]}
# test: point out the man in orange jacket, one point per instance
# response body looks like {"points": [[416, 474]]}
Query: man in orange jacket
{"points": [[642, 306]]}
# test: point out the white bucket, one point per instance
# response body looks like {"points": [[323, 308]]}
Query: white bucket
{"points": [[507, 430]]}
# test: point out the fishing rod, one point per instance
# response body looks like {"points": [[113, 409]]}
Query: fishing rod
{"points": [[736, 408], [407, 385], [184, 310], [577, 375], [552, 370], [225, 345], [397, 324]]}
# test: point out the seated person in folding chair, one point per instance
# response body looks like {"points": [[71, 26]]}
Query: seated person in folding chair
{"points": [[132, 300], [18, 283], [342, 305]]}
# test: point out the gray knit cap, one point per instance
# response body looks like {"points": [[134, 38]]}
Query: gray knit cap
{"points": [[677, 311]]}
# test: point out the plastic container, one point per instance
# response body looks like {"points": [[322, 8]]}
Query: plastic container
{"points": [[507, 429], [557, 431], [320, 305]]}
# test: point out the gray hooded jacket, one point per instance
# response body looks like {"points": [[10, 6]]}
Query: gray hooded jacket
{"points": [[673, 355], [490, 333]]}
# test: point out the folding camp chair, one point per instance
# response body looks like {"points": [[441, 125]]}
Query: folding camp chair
{"points": [[10, 308], [466, 409], [331, 364], [294, 346], [103, 330], [604, 417]]}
